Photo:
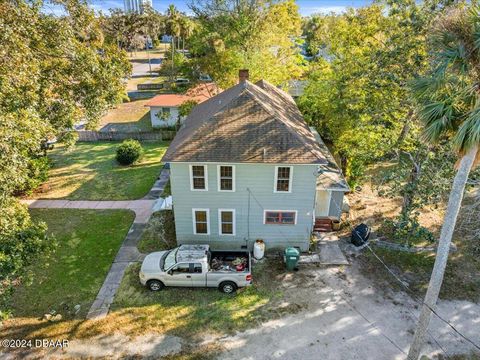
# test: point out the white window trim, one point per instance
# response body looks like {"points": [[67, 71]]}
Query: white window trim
{"points": [[194, 222], [205, 168], [233, 178], [289, 180], [234, 222], [265, 216]]}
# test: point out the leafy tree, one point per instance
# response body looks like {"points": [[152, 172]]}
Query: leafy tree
{"points": [[54, 72], [422, 178], [358, 95], [251, 34], [125, 29], [449, 107]]}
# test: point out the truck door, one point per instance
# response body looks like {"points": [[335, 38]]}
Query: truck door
{"points": [[179, 275], [198, 277]]}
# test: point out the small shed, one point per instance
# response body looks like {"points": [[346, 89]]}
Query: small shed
{"points": [[164, 108]]}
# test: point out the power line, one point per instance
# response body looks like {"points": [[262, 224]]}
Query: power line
{"points": [[405, 285], [371, 324], [421, 302]]}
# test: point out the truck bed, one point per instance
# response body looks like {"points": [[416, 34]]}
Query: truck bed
{"points": [[226, 258]]}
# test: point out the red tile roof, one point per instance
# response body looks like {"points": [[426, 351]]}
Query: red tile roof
{"points": [[199, 93]]}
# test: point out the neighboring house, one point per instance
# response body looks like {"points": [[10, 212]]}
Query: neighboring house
{"points": [[164, 109], [246, 166]]}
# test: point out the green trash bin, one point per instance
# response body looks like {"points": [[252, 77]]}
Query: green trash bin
{"points": [[291, 257]]}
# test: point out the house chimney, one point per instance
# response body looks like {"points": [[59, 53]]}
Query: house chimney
{"points": [[243, 75]]}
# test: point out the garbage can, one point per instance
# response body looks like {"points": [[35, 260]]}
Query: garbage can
{"points": [[291, 257]]}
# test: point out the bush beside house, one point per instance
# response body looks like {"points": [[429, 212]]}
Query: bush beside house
{"points": [[129, 152]]}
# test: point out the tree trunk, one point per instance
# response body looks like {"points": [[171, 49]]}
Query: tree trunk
{"points": [[405, 130], [454, 203]]}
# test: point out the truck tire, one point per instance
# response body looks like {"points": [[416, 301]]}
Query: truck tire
{"points": [[228, 287], [155, 285]]}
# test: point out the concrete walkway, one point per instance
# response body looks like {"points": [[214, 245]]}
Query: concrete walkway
{"points": [[128, 252], [328, 251], [142, 208]]}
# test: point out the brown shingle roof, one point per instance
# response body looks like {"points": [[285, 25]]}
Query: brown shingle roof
{"points": [[255, 123]]}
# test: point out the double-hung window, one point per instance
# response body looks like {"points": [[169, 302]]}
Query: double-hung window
{"points": [[280, 217], [198, 178], [226, 221], [201, 221], [283, 179], [226, 178]]}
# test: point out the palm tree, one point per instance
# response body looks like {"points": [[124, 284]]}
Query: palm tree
{"points": [[450, 108], [187, 27], [173, 28]]}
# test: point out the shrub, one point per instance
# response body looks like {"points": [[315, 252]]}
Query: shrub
{"points": [[22, 241], [406, 230], [129, 152]]}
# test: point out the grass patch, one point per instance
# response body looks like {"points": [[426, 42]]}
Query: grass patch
{"points": [[190, 313], [90, 172], [130, 116], [142, 54], [159, 234], [462, 274], [88, 241]]}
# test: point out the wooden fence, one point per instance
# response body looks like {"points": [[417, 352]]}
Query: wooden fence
{"points": [[88, 135]]}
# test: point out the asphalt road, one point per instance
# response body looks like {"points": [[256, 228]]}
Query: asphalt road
{"points": [[141, 67]]}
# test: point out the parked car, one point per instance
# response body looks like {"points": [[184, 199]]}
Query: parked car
{"points": [[196, 266], [205, 78], [181, 81]]}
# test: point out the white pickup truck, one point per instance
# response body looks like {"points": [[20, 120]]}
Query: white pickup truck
{"points": [[196, 266]]}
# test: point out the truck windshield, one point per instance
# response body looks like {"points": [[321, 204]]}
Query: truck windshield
{"points": [[171, 259]]}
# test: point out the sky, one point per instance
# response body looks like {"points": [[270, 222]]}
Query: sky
{"points": [[307, 7]]}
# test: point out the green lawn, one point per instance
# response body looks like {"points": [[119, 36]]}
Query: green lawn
{"points": [[130, 116], [88, 241], [90, 172], [189, 312]]}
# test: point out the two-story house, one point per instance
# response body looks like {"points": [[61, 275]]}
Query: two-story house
{"points": [[246, 166]]}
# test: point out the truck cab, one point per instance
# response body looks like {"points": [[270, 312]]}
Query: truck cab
{"points": [[196, 266]]}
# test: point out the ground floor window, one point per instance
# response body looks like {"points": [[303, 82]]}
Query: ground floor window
{"points": [[226, 221], [201, 221], [280, 217]]}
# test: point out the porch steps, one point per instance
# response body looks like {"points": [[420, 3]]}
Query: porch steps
{"points": [[323, 224]]}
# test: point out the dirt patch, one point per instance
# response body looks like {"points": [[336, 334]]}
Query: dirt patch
{"points": [[366, 206], [347, 317]]}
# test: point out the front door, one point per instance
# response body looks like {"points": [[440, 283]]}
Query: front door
{"points": [[322, 203], [179, 275]]}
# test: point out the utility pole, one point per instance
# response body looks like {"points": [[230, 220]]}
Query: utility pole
{"points": [[443, 249], [148, 55]]}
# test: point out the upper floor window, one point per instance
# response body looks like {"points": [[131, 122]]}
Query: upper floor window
{"points": [[198, 177], [226, 178], [280, 217], [201, 221], [283, 179]]}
